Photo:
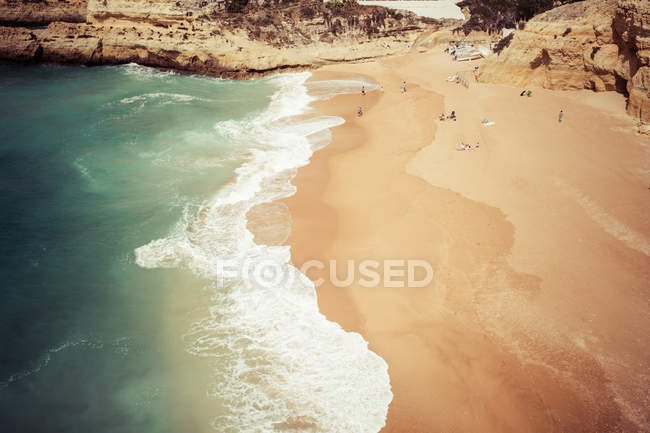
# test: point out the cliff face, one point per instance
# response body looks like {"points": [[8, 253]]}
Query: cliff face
{"points": [[632, 27], [41, 12], [570, 47], [596, 44], [200, 36]]}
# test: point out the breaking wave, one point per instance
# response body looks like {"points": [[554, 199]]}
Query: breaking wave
{"points": [[280, 365]]}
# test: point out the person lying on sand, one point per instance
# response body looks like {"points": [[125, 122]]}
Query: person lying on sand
{"points": [[442, 117], [529, 93], [404, 87], [560, 116], [523, 92]]}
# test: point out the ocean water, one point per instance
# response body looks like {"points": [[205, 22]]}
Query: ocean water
{"points": [[123, 191]]}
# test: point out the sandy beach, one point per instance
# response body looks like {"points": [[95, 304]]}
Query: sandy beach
{"points": [[536, 319]]}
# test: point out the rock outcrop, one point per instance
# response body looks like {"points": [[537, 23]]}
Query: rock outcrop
{"points": [[632, 28], [597, 44], [41, 12], [201, 36]]}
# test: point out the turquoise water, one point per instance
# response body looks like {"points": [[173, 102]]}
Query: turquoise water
{"points": [[94, 163], [122, 191]]}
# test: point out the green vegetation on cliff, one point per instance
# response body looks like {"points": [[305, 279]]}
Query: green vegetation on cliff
{"points": [[493, 15]]}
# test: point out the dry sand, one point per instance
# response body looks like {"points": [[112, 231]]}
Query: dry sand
{"points": [[537, 318]]}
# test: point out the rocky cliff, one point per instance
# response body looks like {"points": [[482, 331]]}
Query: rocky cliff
{"points": [[203, 36], [41, 12], [596, 44], [632, 29]]}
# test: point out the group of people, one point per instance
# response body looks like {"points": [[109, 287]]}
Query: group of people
{"points": [[452, 116], [468, 146], [442, 117], [363, 92], [360, 109]]}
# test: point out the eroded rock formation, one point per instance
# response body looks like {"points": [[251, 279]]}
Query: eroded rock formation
{"points": [[200, 36], [632, 27], [41, 12], [597, 44]]}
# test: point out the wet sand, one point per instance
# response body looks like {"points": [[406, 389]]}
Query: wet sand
{"points": [[537, 317]]}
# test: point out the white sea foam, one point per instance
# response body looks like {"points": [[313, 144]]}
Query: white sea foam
{"points": [[83, 170], [143, 72], [161, 98], [280, 365], [325, 89], [45, 359]]}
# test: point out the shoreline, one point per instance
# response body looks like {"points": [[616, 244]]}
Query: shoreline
{"points": [[493, 344]]}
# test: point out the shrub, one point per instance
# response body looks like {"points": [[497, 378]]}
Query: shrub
{"points": [[497, 14], [503, 43], [308, 12], [342, 4], [236, 6]]}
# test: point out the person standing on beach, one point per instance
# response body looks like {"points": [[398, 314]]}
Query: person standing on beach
{"points": [[363, 90], [559, 118], [404, 87]]}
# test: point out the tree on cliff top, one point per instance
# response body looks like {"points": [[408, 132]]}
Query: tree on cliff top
{"points": [[494, 15]]}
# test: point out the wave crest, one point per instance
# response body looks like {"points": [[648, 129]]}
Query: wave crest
{"points": [[280, 365]]}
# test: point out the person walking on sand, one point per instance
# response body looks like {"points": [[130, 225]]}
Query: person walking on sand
{"points": [[363, 90], [561, 115], [359, 111], [404, 87]]}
